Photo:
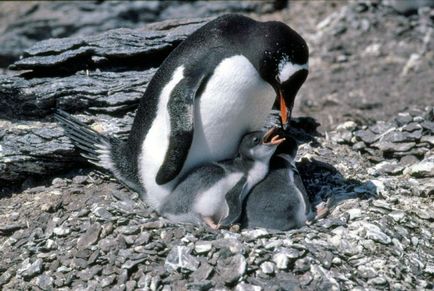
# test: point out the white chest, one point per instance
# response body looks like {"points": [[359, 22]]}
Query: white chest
{"points": [[236, 100]]}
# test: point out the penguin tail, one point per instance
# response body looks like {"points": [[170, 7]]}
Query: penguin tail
{"points": [[94, 147]]}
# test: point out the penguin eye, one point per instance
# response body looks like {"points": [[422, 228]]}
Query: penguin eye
{"points": [[256, 140]]}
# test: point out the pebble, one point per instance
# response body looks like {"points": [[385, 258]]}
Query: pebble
{"points": [[29, 270], [89, 237], [281, 260], [423, 169], [232, 268], [374, 232], [180, 258], [267, 268], [202, 247], [247, 287], [44, 282], [61, 231]]}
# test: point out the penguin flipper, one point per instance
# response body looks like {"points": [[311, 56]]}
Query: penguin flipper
{"points": [[181, 110], [235, 201]]}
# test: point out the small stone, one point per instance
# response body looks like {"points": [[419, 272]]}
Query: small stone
{"points": [[128, 229], [200, 285], [354, 213], [379, 281], [129, 264], [403, 118], [359, 146], [254, 234], [5, 277], [61, 231], [202, 247], [107, 281], [102, 213], [429, 269], [281, 260], [366, 136], [28, 270], [232, 268], [428, 139], [302, 265], [423, 169], [143, 238], [203, 272], [79, 179], [397, 215], [394, 147], [336, 261], [247, 287], [267, 268], [153, 225], [391, 167], [374, 232], [180, 258], [130, 285], [89, 237], [44, 282]]}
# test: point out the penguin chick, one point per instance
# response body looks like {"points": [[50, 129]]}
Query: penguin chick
{"points": [[214, 193], [280, 200]]}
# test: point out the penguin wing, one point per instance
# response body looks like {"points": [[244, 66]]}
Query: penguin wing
{"points": [[181, 112], [235, 201]]}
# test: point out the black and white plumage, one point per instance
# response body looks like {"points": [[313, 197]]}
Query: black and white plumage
{"points": [[280, 200], [216, 86], [215, 193]]}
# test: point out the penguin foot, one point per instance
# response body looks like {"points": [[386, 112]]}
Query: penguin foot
{"points": [[323, 209], [210, 222]]}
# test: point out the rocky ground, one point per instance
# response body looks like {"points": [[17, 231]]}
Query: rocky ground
{"points": [[370, 86]]}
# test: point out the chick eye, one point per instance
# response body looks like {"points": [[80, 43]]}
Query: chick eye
{"points": [[256, 140]]}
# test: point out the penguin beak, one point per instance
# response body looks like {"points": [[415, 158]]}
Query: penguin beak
{"points": [[283, 110], [286, 92], [272, 138]]}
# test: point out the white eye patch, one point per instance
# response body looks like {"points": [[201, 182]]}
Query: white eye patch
{"points": [[287, 69]]}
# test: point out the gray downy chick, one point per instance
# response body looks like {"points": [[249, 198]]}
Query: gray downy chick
{"points": [[279, 201], [215, 193]]}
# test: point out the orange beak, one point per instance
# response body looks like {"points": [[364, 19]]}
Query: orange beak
{"points": [[283, 109]]}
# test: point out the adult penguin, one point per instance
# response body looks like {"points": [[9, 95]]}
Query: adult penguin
{"points": [[216, 86]]}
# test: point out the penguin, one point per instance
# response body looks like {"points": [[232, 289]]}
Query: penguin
{"points": [[280, 201], [214, 193], [215, 86]]}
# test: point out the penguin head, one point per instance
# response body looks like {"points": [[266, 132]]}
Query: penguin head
{"points": [[260, 145], [283, 63]]}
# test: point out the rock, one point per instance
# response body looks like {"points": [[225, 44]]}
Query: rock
{"points": [[423, 169], [89, 237], [29, 270], [247, 287], [44, 282], [267, 268], [61, 231], [394, 147], [180, 259], [366, 136], [203, 272], [374, 232], [281, 260], [231, 269], [107, 281], [202, 247]]}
